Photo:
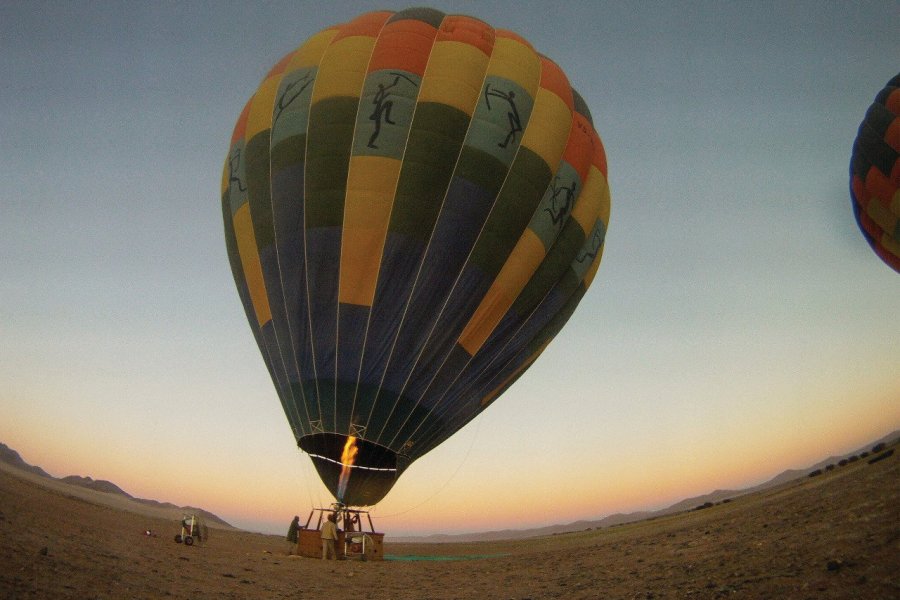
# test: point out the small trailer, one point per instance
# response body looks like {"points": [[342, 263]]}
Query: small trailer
{"points": [[192, 530]]}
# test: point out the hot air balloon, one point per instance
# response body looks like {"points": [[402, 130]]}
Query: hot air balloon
{"points": [[414, 205], [875, 175]]}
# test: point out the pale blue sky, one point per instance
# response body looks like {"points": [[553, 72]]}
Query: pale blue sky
{"points": [[737, 310]]}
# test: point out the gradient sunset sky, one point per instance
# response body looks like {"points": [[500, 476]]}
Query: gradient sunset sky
{"points": [[739, 324]]}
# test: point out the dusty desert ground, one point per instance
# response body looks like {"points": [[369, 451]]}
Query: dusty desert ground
{"points": [[832, 536]]}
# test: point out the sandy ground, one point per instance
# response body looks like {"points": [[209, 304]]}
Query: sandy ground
{"points": [[833, 536]]}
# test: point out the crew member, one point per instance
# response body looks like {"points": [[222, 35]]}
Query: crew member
{"points": [[329, 537]]}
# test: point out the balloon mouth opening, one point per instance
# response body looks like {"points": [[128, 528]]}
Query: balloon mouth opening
{"points": [[366, 481]]}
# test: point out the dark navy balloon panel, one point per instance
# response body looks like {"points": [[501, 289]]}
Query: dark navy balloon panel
{"points": [[875, 175], [414, 204]]}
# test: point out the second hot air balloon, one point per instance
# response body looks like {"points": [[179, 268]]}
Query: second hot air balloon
{"points": [[875, 175], [414, 204]]}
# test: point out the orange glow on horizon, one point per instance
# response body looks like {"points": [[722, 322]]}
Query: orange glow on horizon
{"points": [[692, 458]]}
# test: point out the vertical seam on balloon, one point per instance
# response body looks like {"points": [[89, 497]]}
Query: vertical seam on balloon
{"points": [[293, 349], [569, 216], [425, 255], [456, 281], [381, 262], [312, 340], [453, 287], [272, 361], [286, 390], [524, 322], [337, 302], [531, 314], [440, 413], [337, 337], [289, 388], [444, 410], [419, 269]]}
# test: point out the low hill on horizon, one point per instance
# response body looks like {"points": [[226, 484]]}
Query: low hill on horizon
{"points": [[14, 459], [100, 485], [11, 457], [688, 504]]}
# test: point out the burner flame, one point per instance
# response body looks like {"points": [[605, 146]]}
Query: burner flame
{"points": [[348, 457]]}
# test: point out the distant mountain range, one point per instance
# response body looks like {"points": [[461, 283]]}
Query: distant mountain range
{"points": [[697, 502], [11, 457]]}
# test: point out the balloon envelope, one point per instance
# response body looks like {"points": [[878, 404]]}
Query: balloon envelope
{"points": [[414, 204], [875, 175]]}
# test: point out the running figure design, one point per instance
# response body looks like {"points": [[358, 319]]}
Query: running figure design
{"points": [[382, 108], [596, 242], [234, 163], [285, 100], [515, 123], [558, 212]]}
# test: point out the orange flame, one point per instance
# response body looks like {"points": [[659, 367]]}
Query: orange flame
{"points": [[348, 457]]}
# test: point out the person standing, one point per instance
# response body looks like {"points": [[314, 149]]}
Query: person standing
{"points": [[329, 537], [293, 534]]}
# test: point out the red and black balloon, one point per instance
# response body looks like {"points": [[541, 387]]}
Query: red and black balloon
{"points": [[875, 175]]}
